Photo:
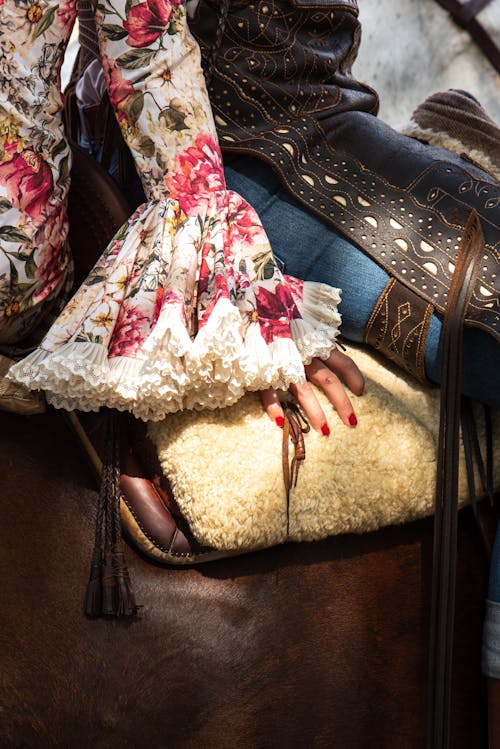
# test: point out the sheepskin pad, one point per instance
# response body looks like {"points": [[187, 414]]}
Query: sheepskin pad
{"points": [[225, 465]]}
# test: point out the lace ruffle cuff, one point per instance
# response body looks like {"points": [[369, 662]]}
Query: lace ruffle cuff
{"points": [[185, 309]]}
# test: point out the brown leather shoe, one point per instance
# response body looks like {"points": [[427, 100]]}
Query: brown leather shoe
{"points": [[151, 519]]}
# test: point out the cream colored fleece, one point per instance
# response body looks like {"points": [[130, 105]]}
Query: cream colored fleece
{"points": [[225, 466]]}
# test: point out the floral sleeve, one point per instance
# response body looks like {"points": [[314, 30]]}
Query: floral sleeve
{"points": [[156, 86], [34, 163], [187, 307]]}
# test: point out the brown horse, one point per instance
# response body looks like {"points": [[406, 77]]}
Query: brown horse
{"points": [[311, 645]]}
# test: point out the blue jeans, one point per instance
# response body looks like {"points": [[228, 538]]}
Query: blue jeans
{"points": [[310, 249]]}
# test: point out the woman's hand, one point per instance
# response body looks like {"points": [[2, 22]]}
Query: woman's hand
{"points": [[329, 375]]}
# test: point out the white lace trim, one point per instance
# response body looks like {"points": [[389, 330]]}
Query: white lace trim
{"points": [[173, 372]]}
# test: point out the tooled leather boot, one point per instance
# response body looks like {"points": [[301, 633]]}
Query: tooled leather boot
{"points": [[281, 90]]}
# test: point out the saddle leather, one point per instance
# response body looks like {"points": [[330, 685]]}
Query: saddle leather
{"points": [[151, 519]]}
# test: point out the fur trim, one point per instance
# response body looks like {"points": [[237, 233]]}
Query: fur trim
{"points": [[446, 141], [225, 466]]}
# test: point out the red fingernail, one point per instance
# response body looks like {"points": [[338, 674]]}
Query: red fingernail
{"points": [[325, 429], [353, 420], [280, 421]]}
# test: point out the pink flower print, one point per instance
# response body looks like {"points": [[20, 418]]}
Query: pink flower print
{"points": [[147, 21], [164, 298], [53, 257], [275, 310], [212, 286], [160, 291], [198, 172], [66, 14], [296, 286], [119, 88], [243, 224], [130, 332], [204, 278], [28, 179]]}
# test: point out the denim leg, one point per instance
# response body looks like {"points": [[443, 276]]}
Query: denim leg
{"points": [[310, 249]]}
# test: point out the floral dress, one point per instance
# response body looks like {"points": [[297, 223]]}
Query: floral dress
{"points": [[187, 307]]}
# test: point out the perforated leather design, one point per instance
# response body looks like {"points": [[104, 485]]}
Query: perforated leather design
{"points": [[404, 203]]}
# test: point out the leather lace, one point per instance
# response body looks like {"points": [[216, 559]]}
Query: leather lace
{"points": [[294, 428]]}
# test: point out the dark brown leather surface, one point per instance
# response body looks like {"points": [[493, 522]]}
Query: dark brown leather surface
{"points": [[96, 211], [398, 327], [403, 202], [312, 645]]}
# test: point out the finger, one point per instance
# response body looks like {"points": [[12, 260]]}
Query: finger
{"points": [[307, 400], [347, 370], [272, 404], [319, 374]]}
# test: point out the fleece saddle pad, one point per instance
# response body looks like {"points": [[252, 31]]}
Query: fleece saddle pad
{"points": [[225, 466]]}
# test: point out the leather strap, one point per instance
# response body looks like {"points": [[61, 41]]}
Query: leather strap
{"points": [[464, 14], [465, 11], [294, 428], [446, 505], [222, 14]]}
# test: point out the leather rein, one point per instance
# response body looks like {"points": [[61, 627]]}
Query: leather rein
{"points": [[294, 428], [465, 15]]}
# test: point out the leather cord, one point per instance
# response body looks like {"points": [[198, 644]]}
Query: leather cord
{"points": [[446, 504], [294, 428], [465, 16]]}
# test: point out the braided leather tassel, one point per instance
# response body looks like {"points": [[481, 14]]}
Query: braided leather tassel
{"points": [[109, 592]]}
